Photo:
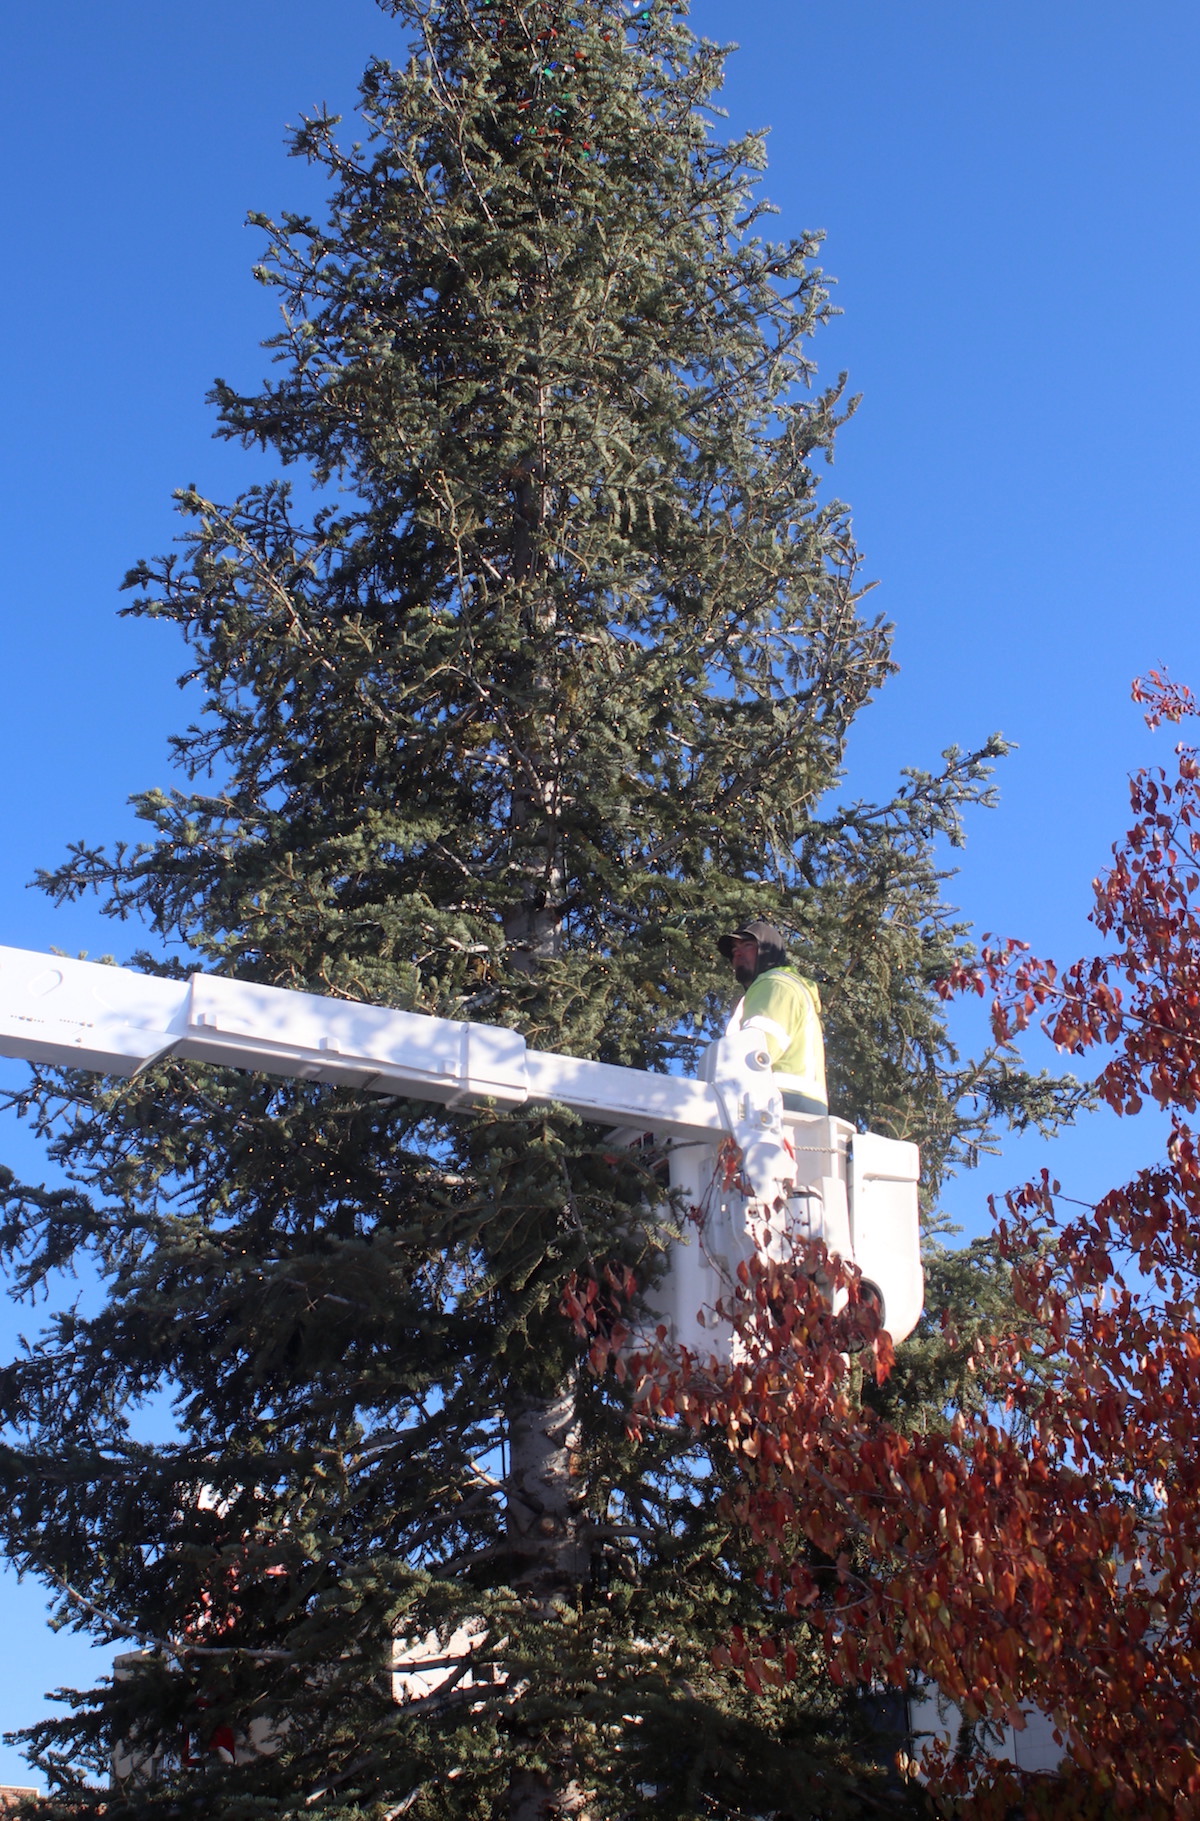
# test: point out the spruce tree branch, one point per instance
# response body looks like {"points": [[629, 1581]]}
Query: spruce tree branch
{"points": [[454, 113], [166, 1645], [449, 1694]]}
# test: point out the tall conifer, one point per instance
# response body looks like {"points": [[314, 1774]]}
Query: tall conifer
{"points": [[542, 679]]}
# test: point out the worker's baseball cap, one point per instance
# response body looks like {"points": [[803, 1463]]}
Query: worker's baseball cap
{"points": [[756, 930]]}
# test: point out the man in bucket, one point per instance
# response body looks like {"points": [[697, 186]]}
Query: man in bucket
{"points": [[784, 1008]]}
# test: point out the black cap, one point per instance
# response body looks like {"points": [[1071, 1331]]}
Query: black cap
{"points": [[772, 949]]}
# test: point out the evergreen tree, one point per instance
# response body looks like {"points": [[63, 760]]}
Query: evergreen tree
{"points": [[544, 680]]}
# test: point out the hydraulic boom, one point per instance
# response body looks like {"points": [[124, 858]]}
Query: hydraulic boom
{"points": [[856, 1191]]}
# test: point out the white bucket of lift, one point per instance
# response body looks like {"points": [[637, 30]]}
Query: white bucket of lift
{"points": [[702, 1263], [854, 1191]]}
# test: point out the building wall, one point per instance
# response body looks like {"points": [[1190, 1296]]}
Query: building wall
{"points": [[1031, 1748]]}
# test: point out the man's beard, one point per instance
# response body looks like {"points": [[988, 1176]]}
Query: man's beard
{"points": [[745, 974]]}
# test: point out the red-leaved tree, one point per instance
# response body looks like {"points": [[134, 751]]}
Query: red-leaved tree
{"points": [[1040, 1549]]}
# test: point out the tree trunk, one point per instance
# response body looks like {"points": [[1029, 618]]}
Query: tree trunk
{"points": [[551, 1563], [542, 1516]]}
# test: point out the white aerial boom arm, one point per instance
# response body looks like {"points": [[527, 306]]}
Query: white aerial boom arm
{"points": [[856, 1191]]}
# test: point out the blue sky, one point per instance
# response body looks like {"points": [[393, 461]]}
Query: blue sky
{"points": [[1010, 200]]}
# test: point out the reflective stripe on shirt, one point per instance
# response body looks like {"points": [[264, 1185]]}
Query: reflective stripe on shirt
{"points": [[781, 1034]]}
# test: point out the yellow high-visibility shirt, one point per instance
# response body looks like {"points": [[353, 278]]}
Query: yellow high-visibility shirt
{"points": [[786, 1009]]}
